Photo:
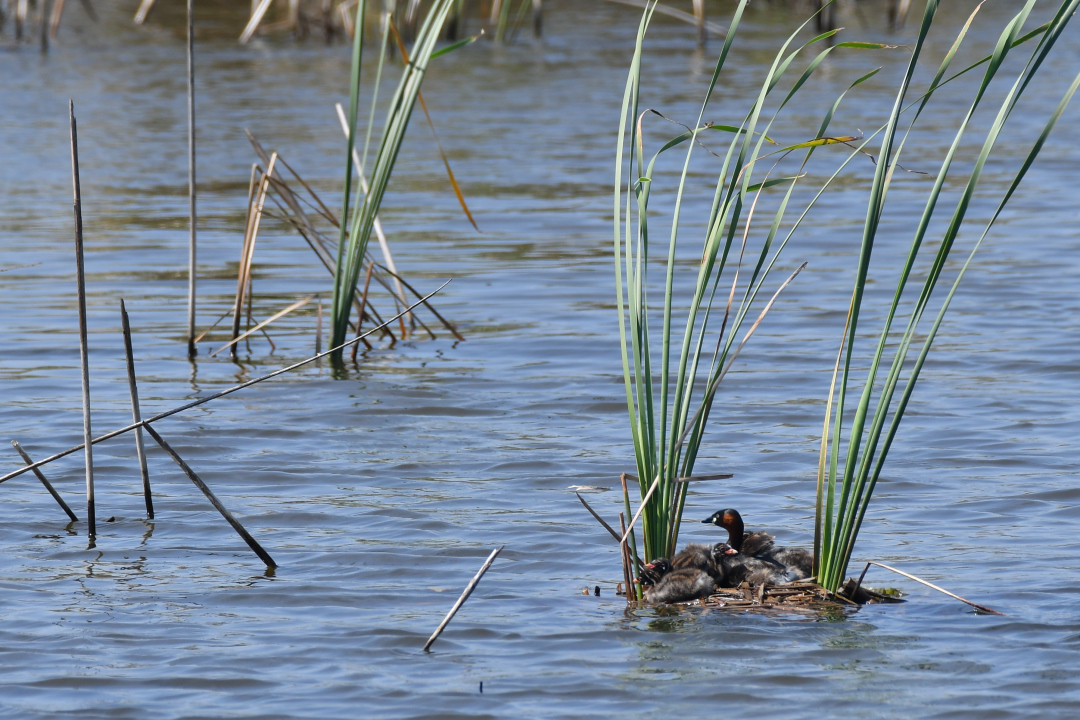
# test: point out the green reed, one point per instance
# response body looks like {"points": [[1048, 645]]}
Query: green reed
{"points": [[356, 229], [669, 406], [844, 489]]}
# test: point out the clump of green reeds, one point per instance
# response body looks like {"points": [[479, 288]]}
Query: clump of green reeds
{"points": [[844, 489], [671, 376], [356, 229]]}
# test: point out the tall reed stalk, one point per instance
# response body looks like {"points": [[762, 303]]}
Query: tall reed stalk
{"points": [[844, 488], [356, 229]]}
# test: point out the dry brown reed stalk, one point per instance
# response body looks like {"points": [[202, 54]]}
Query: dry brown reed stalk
{"points": [[44, 26], [600, 519], [858, 584], [446, 323], [22, 9], [136, 413], [446, 160], [363, 302], [248, 249], [145, 6], [898, 11], [317, 241], [644, 502], [633, 540], [253, 24], [199, 483], [208, 398], [191, 174], [464, 596], [84, 355], [54, 20], [48, 486], [624, 551], [276, 316], [299, 218]]}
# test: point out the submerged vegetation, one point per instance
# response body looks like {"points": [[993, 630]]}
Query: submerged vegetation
{"points": [[674, 359]]}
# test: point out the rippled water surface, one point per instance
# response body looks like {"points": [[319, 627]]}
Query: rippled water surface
{"points": [[380, 488]]}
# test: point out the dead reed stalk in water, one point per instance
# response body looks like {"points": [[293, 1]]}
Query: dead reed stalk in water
{"points": [[144, 11], [247, 252], [276, 316], [464, 596], [858, 584], [252, 542], [136, 413], [80, 282], [215, 396], [191, 175], [48, 486]]}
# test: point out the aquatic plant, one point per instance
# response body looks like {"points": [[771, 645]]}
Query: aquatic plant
{"points": [[355, 230], [669, 410], [669, 406], [844, 489]]}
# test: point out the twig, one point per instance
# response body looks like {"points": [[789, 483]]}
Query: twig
{"points": [[136, 413], [464, 596], [83, 353], [930, 585], [48, 486], [252, 543], [215, 396]]}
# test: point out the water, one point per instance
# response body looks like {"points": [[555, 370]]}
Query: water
{"points": [[380, 489]]}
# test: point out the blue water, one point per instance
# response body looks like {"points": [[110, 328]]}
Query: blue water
{"points": [[380, 488]]}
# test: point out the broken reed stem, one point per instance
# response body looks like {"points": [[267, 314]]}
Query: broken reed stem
{"points": [[625, 552], [281, 313], [464, 596], [54, 21], [927, 584], [191, 176], [215, 396], [644, 501], [80, 281], [633, 540], [252, 543], [144, 11], [602, 521], [363, 304], [48, 486], [136, 413], [253, 23], [447, 324], [248, 249], [318, 327], [599, 519]]}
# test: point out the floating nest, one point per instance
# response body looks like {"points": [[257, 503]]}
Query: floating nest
{"points": [[804, 596]]}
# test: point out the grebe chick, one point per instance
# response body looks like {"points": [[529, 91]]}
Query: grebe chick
{"points": [[652, 572], [700, 557], [681, 585], [774, 565]]}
